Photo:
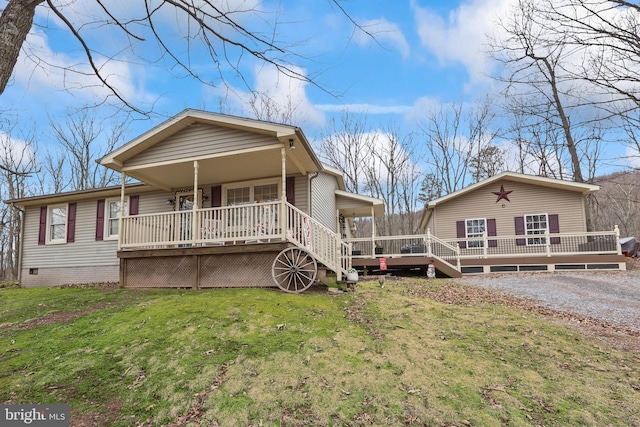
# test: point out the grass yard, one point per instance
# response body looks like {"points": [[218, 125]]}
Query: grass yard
{"points": [[403, 354]]}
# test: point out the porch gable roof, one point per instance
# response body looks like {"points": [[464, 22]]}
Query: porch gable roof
{"points": [[243, 163]]}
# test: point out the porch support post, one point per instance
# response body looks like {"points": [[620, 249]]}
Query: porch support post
{"points": [[373, 233], [618, 245], [196, 204], [283, 196], [340, 256], [123, 177]]}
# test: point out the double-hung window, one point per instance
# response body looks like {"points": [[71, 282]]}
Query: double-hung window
{"points": [[112, 217], [536, 224], [57, 224], [475, 228], [252, 193]]}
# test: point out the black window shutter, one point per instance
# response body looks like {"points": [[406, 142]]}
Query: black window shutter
{"points": [[216, 196], [461, 233], [291, 189], [100, 220], [134, 205], [71, 223], [519, 222], [554, 227], [492, 231], [42, 230]]}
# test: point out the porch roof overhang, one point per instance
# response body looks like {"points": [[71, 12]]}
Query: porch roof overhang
{"points": [[352, 205], [229, 166]]}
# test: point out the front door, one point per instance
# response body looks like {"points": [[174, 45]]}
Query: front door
{"points": [[184, 202]]}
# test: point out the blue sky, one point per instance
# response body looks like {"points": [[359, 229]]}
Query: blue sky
{"points": [[426, 52], [404, 66]]}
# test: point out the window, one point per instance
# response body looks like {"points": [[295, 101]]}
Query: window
{"points": [[476, 228], [252, 193], [536, 224], [112, 216], [238, 196], [57, 224], [265, 193]]}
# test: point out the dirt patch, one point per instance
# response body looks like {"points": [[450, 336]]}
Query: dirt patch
{"points": [[51, 318], [105, 286], [355, 313], [112, 412], [620, 337]]}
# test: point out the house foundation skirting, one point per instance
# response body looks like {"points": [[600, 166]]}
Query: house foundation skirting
{"points": [[541, 263], [237, 266], [57, 276]]}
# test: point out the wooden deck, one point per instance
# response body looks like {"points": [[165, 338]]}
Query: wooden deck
{"points": [[498, 265], [406, 263]]}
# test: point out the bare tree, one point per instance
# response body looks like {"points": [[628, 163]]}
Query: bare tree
{"points": [[225, 32], [264, 107], [541, 70], [489, 161], [393, 176], [535, 75], [18, 156], [346, 145], [83, 139], [454, 135]]}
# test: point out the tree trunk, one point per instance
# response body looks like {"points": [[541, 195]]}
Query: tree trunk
{"points": [[15, 23]]}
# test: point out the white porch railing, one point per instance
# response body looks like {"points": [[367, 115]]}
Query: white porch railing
{"points": [[601, 242], [258, 221], [405, 246], [548, 244], [304, 231], [255, 222]]}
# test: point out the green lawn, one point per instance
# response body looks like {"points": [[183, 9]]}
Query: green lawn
{"points": [[376, 356]]}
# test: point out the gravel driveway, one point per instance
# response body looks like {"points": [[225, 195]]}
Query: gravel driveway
{"points": [[612, 296]]}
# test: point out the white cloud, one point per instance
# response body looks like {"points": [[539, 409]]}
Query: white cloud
{"points": [[385, 33], [16, 153], [277, 97], [45, 72], [632, 155], [461, 36]]}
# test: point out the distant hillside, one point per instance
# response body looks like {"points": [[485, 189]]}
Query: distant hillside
{"points": [[618, 202]]}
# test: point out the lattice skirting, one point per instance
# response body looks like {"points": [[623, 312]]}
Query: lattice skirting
{"points": [[239, 270]]}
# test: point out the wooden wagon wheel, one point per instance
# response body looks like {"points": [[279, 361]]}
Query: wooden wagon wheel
{"points": [[294, 270]]}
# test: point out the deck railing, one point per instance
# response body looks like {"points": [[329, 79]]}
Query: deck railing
{"points": [[247, 223], [601, 242], [548, 244], [405, 246]]}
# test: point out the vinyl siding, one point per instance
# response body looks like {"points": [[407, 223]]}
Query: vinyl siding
{"points": [[302, 189], [323, 200], [200, 140], [524, 199], [85, 251]]}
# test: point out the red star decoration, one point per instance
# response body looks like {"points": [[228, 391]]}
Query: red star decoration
{"points": [[502, 194]]}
